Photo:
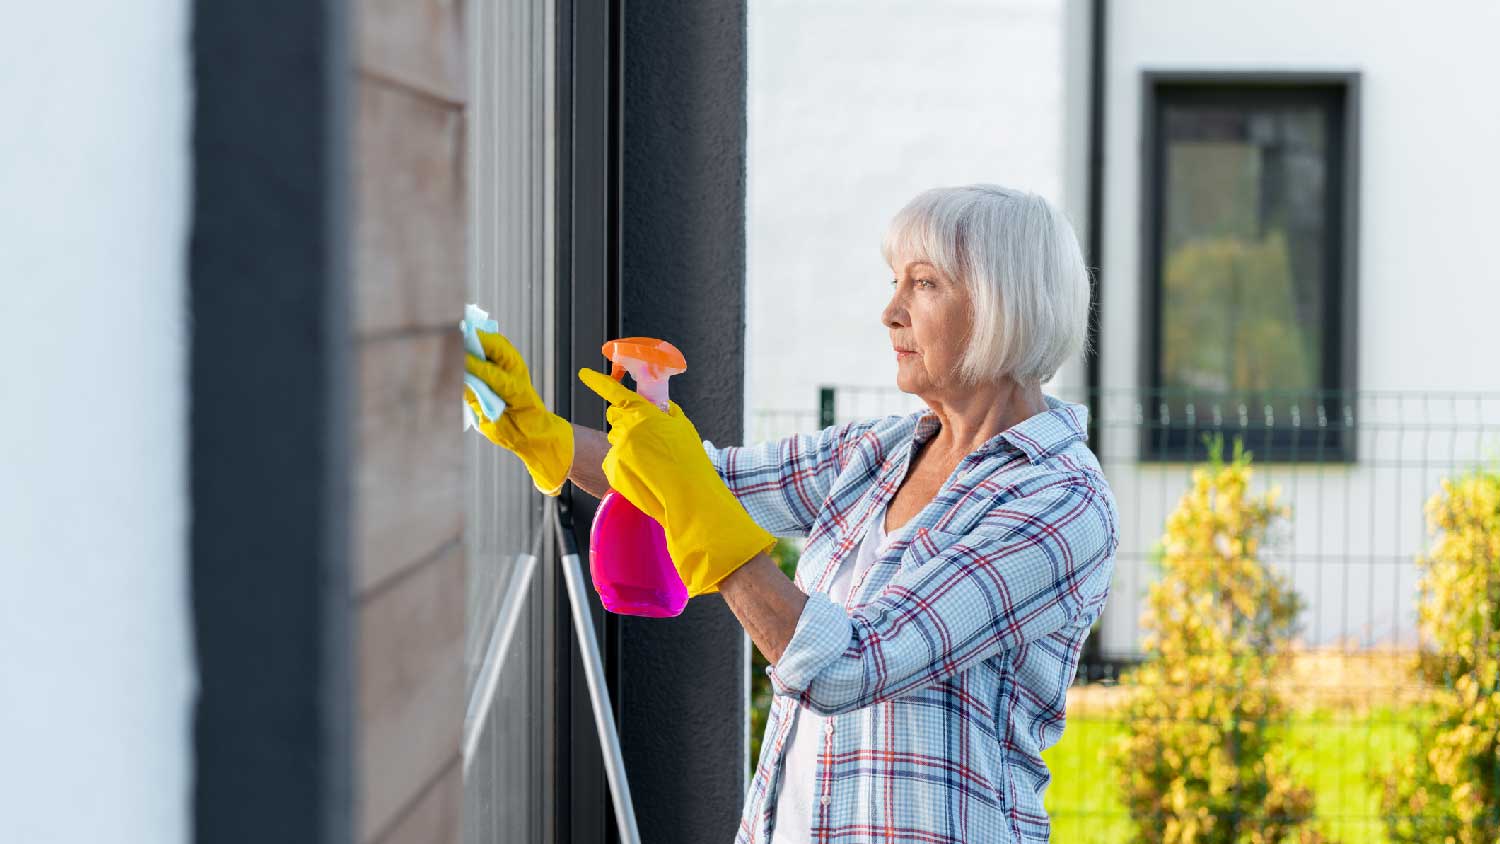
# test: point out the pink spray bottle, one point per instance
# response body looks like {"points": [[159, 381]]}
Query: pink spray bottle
{"points": [[628, 558]]}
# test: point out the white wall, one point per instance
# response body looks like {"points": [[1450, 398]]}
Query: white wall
{"points": [[1429, 289], [855, 106], [95, 665]]}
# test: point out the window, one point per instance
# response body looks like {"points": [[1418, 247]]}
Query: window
{"points": [[511, 720], [1249, 264]]}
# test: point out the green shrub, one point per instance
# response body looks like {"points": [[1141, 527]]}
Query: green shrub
{"points": [[1202, 760], [1450, 790]]}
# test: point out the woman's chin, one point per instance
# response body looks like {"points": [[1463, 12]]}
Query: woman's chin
{"points": [[907, 384]]}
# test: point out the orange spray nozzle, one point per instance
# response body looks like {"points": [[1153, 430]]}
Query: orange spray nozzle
{"points": [[662, 358], [649, 361]]}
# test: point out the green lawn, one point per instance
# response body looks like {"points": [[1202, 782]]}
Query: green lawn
{"points": [[1335, 751]]}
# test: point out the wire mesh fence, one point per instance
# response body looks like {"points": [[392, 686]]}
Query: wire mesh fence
{"points": [[1311, 733]]}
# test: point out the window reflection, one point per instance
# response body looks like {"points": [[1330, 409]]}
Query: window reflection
{"points": [[1244, 228]]}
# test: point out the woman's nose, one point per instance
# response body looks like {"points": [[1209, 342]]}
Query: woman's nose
{"points": [[893, 316]]}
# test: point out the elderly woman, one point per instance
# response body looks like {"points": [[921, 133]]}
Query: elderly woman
{"points": [[955, 558]]}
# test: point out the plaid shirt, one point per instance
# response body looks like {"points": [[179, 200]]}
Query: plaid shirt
{"points": [[945, 673]]}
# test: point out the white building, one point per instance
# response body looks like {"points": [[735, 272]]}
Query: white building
{"points": [[1287, 197]]}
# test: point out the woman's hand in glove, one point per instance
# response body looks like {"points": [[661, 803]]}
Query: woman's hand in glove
{"points": [[542, 439], [656, 460]]}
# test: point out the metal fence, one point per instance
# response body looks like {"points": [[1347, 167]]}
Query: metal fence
{"points": [[1354, 470]]}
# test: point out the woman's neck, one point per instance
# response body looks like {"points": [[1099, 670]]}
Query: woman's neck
{"points": [[972, 415]]}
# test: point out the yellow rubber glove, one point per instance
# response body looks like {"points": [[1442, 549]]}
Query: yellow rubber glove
{"points": [[656, 460], [542, 439]]}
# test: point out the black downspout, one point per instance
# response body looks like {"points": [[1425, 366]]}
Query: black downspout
{"points": [[1095, 257], [1090, 661]]}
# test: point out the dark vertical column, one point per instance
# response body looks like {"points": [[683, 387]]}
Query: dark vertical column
{"points": [[269, 428], [682, 682]]}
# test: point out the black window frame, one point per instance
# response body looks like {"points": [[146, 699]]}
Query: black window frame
{"points": [[1331, 436]]}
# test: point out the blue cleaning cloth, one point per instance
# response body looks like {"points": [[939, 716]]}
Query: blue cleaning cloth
{"points": [[475, 319]]}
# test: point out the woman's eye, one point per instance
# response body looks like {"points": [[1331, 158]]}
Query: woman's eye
{"points": [[919, 282]]}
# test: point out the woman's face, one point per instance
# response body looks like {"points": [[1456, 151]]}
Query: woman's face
{"points": [[928, 318]]}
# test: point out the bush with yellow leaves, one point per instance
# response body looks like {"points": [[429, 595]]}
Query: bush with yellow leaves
{"points": [[1203, 761], [1451, 791]]}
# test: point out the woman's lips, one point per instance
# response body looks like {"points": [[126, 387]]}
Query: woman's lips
{"points": [[903, 353]]}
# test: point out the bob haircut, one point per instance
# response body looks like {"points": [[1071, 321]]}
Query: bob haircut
{"points": [[1019, 258]]}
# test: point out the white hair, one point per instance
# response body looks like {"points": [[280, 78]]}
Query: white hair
{"points": [[1019, 258]]}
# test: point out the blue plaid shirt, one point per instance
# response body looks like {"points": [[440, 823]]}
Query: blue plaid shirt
{"points": [[945, 673]]}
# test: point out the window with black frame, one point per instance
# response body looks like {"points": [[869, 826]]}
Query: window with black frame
{"points": [[1249, 269]]}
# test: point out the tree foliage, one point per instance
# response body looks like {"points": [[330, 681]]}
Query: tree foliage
{"points": [[1451, 791], [1202, 761]]}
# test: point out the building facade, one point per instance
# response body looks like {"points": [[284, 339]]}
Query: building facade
{"points": [[1281, 203]]}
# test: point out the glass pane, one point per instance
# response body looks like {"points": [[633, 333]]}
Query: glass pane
{"points": [[1244, 247], [508, 776]]}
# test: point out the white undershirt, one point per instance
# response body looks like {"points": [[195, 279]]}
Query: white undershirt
{"points": [[795, 803]]}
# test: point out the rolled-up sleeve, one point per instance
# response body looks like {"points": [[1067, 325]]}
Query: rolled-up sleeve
{"points": [[782, 484], [1031, 567]]}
